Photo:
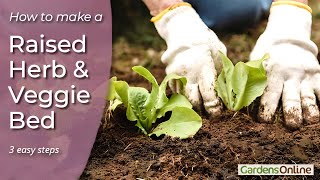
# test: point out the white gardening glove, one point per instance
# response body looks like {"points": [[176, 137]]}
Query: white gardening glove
{"points": [[193, 52], [293, 70]]}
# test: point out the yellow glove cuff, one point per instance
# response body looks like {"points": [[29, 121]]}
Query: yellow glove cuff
{"points": [[293, 3], [161, 14]]}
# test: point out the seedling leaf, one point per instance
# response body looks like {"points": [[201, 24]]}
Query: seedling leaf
{"points": [[184, 123], [163, 86], [145, 107], [176, 100], [248, 83], [238, 86]]}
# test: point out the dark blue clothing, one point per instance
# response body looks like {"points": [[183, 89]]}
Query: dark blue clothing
{"points": [[226, 14]]}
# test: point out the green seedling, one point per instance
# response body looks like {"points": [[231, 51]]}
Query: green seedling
{"points": [[238, 86], [146, 107]]}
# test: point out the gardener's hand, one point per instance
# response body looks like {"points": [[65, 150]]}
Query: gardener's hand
{"points": [[293, 70], [193, 53]]}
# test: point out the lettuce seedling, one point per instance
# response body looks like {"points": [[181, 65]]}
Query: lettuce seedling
{"points": [[238, 86], [146, 107]]}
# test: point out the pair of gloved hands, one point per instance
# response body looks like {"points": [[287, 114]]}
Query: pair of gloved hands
{"points": [[293, 70]]}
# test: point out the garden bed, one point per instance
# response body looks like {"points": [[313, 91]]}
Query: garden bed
{"points": [[214, 152], [120, 152]]}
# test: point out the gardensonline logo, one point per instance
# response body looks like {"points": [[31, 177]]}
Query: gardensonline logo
{"points": [[275, 169]]}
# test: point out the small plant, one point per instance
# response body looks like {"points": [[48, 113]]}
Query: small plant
{"points": [[238, 86], [146, 108]]}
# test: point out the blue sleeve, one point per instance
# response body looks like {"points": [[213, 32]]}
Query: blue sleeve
{"points": [[226, 14]]}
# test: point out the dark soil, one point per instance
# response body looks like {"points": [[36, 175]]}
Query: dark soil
{"points": [[120, 152]]}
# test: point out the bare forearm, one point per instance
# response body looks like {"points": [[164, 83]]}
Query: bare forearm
{"points": [[156, 6], [302, 1]]}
